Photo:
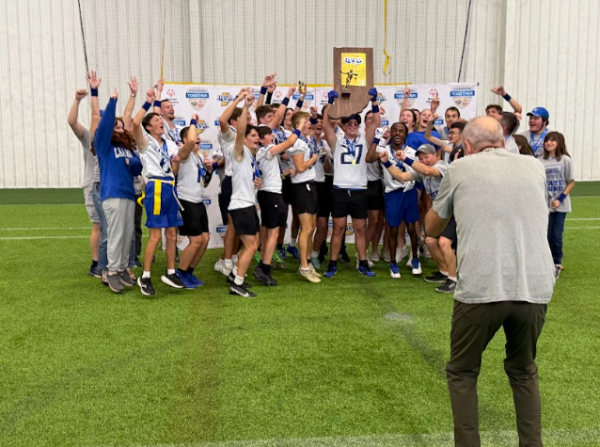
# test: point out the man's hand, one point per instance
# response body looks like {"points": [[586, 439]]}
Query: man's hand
{"points": [[93, 79], [499, 90], [381, 111], [292, 90], [160, 84], [400, 155], [150, 95], [195, 117], [300, 124], [80, 94], [435, 103], [257, 182], [208, 165], [313, 111], [406, 91], [175, 159], [133, 86], [271, 88], [249, 101], [384, 156], [269, 80]]}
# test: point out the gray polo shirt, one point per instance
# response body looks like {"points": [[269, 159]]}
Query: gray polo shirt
{"points": [[499, 203]]}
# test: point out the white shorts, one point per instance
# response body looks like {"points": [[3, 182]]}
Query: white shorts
{"points": [[89, 204]]}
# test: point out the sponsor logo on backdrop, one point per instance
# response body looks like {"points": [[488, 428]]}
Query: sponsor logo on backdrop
{"points": [[206, 201], [399, 97], [201, 126], [221, 229], [179, 122], [307, 97], [385, 122], [197, 97], [170, 93], [206, 146], [381, 97], [225, 98], [278, 95], [439, 122], [462, 97]]}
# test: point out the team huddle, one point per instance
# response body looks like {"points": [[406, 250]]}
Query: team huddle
{"points": [[286, 161]]}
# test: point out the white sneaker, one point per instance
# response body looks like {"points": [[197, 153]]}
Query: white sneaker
{"points": [[219, 265], [234, 259], [410, 258], [385, 255], [308, 275], [375, 256], [395, 271], [416, 267], [227, 269], [400, 254]]}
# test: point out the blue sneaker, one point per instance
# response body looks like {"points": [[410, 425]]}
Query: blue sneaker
{"points": [[96, 272], [365, 271], [331, 271], [416, 267], [188, 283], [282, 254], [394, 270], [293, 251], [195, 280]]}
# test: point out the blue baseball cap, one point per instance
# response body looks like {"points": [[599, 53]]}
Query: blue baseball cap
{"points": [[539, 111]]}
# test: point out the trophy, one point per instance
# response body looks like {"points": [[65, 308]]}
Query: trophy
{"points": [[352, 79]]}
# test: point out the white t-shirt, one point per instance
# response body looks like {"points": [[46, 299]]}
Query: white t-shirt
{"points": [[511, 145], [390, 183], [189, 178], [226, 141], [173, 134], [430, 182], [324, 154], [90, 162], [243, 194], [156, 157], [302, 147], [350, 166], [269, 170]]}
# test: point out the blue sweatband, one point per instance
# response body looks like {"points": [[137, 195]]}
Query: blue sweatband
{"points": [[215, 165], [313, 121], [387, 164], [94, 91], [285, 101], [562, 197], [299, 104], [375, 108], [507, 97], [297, 133], [376, 141], [156, 103], [409, 161], [146, 106], [193, 122], [263, 90]]}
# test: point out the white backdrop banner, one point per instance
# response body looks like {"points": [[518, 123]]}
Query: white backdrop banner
{"points": [[209, 102]]}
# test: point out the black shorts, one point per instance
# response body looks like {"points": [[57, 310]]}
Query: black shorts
{"points": [[245, 221], [305, 197], [324, 196], [345, 202], [286, 190], [376, 200], [450, 232], [195, 219], [225, 197], [272, 209]]}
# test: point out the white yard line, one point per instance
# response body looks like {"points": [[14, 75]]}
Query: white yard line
{"points": [[30, 238], [45, 228]]}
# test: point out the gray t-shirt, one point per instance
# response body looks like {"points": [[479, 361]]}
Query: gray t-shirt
{"points": [[431, 183], [558, 175], [90, 162], [499, 203]]}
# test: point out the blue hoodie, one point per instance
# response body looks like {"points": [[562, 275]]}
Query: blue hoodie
{"points": [[116, 176]]}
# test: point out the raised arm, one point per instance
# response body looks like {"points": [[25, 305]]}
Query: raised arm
{"points": [[376, 121], [106, 126], [160, 84], [94, 83], [405, 100], [300, 102], [238, 149], [224, 119], [72, 119], [372, 155], [268, 82], [138, 134], [512, 101], [428, 135], [186, 149], [418, 166], [282, 147], [280, 113], [327, 127], [133, 89]]}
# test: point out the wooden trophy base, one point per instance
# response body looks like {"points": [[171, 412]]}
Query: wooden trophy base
{"points": [[352, 79]]}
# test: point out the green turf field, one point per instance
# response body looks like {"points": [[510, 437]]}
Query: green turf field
{"points": [[353, 361]]}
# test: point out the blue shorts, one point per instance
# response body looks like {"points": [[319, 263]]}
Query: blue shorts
{"points": [[162, 209], [401, 206]]}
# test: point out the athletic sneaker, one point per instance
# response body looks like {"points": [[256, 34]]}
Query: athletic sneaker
{"points": [[146, 286], [315, 262], [172, 280], [261, 275], [385, 255], [557, 270], [331, 271], [375, 256], [195, 279], [114, 282], [104, 277], [313, 271], [96, 272], [344, 256], [126, 279], [394, 271], [416, 267], [447, 287], [137, 263], [280, 263], [185, 280], [365, 271], [308, 275], [410, 258], [234, 259], [282, 254], [219, 265], [234, 289], [437, 277], [368, 262], [293, 251], [231, 280]]}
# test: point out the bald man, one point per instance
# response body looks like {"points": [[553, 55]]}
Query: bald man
{"points": [[505, 273]]}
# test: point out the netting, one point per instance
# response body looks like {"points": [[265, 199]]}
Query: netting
{"points": [[238, 42]]}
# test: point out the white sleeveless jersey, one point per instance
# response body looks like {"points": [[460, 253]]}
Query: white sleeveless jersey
{"points": [[324, 154], [269, 170], [156, 157], [302, 147], [243, 194], [350, 166], [189, 178], [390, 183]]}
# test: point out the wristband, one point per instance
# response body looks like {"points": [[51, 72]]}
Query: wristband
{"points": [[376, 141], [313, 121], [507, 97], [263, 90], [146, 106], [156, 103], [375, 108], [562, 197], [193, 122], [387, 164], [285, 101], [215, 165], [409, 161], [94, 91], [297, 133], [299, 104]]}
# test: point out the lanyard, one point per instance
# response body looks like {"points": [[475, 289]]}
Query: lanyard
{"points": [[397, 161], [174, 136], [255, 171], [536, 143], [201, 169], [350, 146], [165, 163]]}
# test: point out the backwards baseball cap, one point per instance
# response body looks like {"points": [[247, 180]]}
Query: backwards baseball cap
{"points": [[426, 149], [355, 117], [539, 111]]}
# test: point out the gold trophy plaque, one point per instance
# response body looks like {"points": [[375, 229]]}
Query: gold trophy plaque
{"points": [[352, 79]]}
